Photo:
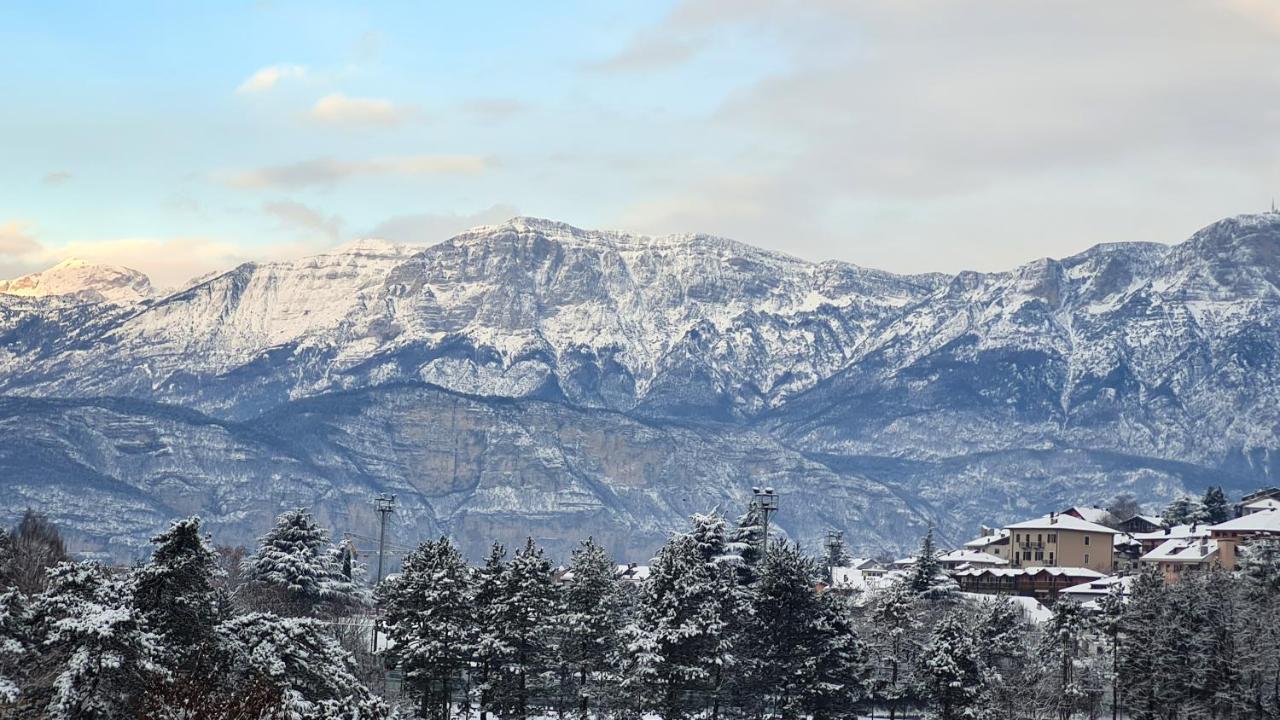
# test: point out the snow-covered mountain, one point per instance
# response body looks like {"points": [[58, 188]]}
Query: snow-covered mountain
{"points": [[949, 399], [83, 281]]}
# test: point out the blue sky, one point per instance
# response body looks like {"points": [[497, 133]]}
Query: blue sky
{"points": [[906, 134]]}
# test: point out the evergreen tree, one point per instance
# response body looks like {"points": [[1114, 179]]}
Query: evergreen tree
{"points": [[747, 541], [949, 669], [1215, 683], [1260, 566], [1214, 508], [807, 660], [488, 645], [292, 571], [16, 644], [526, 611], [1141, 639], [429, 621], [1060, 651], [299, 667], [1003, 631], [1184, 510], [895, 628], [174, 594], [591, 618], [927, 579]]}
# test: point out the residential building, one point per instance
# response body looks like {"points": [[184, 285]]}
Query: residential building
{"points": [[1152, 540], [1260, 506], [1093, 514], [1092, 592], [1057, 540], [993, 541], [1042, 583], [1141, 524], [965, 558], [1231, 534], [1178, 557]]}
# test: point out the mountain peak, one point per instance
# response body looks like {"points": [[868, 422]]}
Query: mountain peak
{"points": [[84, 281]]}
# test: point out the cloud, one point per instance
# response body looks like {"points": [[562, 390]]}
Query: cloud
{"points": [[426, 228], [649, 52], [58, 177], [338, 109], [17, 240], [311, 222], [328, 171], [269, 76], [494, 108]]}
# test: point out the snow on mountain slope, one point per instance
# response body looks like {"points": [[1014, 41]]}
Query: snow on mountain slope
{"points": [[79, 280]]}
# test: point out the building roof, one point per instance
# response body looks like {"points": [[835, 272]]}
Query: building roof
{"points": [[1153, 519], [1126, 539], [1266, 521], [973, 557], [1091, 514], [1188, 550], [1177, 531], [1263, 504], [1031, 608], [1101, 586], [985, 540], [1032, 571], [1060, 522]]}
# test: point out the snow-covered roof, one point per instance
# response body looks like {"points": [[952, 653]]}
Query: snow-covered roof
{"points": [[1126, 539], [852, 578], [1190, 550], [986, 540], [973, 557], [1090, 514], [863, 563], [1177, 531], [1099, 587], [1153, 519], [1060, 522], [1263, 504], [632, 572], [1033, 609], [1266, 521]]}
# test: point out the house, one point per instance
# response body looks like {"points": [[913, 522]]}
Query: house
{"points": [[1042, 583], [965, 558], [991, 541], [631, 573], [1260, 506], [1093, 514], [1141, 524], [1128, 552], [1092, 592], [1263, 494], [1057, 540], [1152, 540], [1178, 557], [1233, 533]]}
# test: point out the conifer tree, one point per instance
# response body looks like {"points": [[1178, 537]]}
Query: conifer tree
{"points": [[1060, 649], [488, 645], [1141, 646], [429, 620], [895, 627], [292, 571], [526, 611], [927, 578], [949, 669], [1214, 507], [16, 644], [591, 618], [747, 541], [1184, 510]]}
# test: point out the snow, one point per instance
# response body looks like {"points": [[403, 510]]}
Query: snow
{"points": [[1265, 521], [1061, 522], [1184, 550], [83, 281]]}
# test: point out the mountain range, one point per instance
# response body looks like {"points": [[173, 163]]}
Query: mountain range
{"points": [[537, 378]]}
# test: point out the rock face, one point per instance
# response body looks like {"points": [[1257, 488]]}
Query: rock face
{"points": [[533, 377]]}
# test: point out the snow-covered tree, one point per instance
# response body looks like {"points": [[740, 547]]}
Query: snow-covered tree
{"points": [[33, 547], [293, 572], [1184, 510], [1214, 507], [747, 540], [1141, 660], [16, 644], [527, 610], [175, 595], [1061, 653], [428, 613], [927, 579], [950, 670], [806, 658], [895, 629], [488, 646], [589, 623], [298, 668]]}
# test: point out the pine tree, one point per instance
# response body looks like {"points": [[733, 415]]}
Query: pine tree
{"points": [[1141, 647], [927, 579], [299, 667], [488, 646], [174, 594], [1184, 510], [1060, 651], [1215, 679], [895, 628], [591, 618], [429, 620], [747, 541], [1003, 632], [527, 609], [808, 661], [949, 669], [292, 571], [16, 644], [1214, 508]]}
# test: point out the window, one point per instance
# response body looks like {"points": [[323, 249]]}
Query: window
{"points": [[1039, 537], [1053, 537], [1026, 555], [1086, 558], [1050, 557], [1086, 539], [1039, 555], [1017, 537]]}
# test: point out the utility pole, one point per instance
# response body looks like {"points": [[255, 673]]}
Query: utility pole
{"points": [[385, 505], [767, 501]]}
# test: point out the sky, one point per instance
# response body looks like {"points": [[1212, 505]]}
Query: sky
{"points": [[908, 135]]}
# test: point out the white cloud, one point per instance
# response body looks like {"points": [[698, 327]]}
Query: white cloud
{"points": [[328, 171], [426, 228], [311, 222], [269, 76], [17, 241], [339, 109]]}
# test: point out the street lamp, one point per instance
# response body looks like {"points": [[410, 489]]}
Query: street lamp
{"points": [[767, 500]]}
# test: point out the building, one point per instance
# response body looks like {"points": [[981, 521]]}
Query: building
{"points": [[1128, 552], [1260, 506], [1041, 583], [1092, 592], [1152, 540], [991, 541], [1093, 514], [1178, 557], [1141, 524], [1057, 540], [965, 558], [1231, 534]]}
